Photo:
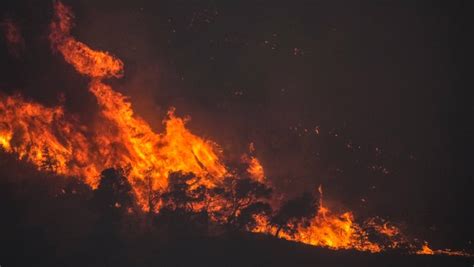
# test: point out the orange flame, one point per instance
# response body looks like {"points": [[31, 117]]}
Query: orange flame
{"points": [[340, 231], [146, 152], [255, 168], [89, 62], [332, 230], [425, 250], [45, 137]]}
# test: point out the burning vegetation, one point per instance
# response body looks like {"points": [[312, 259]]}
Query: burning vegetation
{"points": [[174, 174]]}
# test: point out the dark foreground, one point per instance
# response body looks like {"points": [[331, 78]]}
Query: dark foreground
{"points": [[49, 221], [238, 251]]}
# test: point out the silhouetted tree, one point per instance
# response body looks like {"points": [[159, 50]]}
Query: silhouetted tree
{"points": [[152, 195], [113, 201], [113, 196], [75, 186], [183, 193], [247, 198], [183, 212], [292, 211], [246, 219]]}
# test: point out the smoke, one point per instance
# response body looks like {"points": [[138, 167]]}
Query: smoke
{"points": [[13, 37]]}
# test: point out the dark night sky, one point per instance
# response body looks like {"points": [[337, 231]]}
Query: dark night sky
{"points": [[382, 81]]}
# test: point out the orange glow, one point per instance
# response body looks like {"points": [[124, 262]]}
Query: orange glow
{"points": [[255, 168], [89, 62], [43, 136], [425, 250], [333, 230], [340, 231], [326, 229], [389, 230], [336, 231], [131, 141]]}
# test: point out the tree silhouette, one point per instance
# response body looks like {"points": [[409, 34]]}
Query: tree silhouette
{"points": [[182, 213], [183, 193], [113, 196], [246, 219], [151, 194], [113, 201], [293, 210], [246, 198]]}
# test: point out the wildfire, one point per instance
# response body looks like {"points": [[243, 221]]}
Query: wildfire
{"points": [[52, 141], [426, 250], [56, 142], [45, 137], [132, 142], [335, 231], [326, 229], [89, 62], [340, 231], [255, 168]]}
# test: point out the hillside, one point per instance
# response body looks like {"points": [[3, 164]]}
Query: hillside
{"points": [[48, 221]]}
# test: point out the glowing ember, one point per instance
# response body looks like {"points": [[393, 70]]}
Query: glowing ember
{"points": [[425, 250]]}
